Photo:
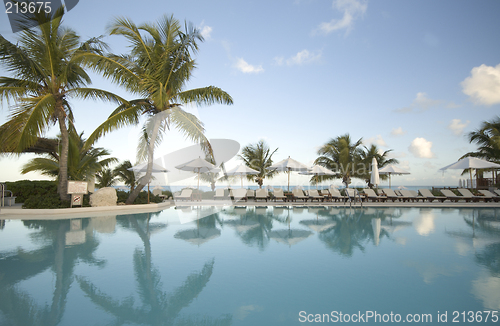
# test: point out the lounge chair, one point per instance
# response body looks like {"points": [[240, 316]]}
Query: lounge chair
{"points": [[392, 195], [299, 194], [467, 194], [250, 193], [427, 194], [159, 193], [278, 194], [186, 194], [261, 194], [371, 195], [497, 191], [490, 195], [411, 195], [239, 194], [220, 194], [335, 195], [451, 196], [314, 195], [352, 194]]}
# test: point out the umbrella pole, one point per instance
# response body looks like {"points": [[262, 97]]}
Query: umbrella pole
{"points": [[288, 180], [389, 181], [148, 192], [470, 172]]}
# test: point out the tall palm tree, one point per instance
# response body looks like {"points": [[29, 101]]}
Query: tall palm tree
{"points": [[47, 70], [367, 156], [259, 157], [82, 163], [157, 69], [125, 175], [342, 155]]}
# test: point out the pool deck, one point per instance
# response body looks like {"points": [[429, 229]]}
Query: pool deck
{"points": [[16, 211]]}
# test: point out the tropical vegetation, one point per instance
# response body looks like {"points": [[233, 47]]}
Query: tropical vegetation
{"points": [[259, 157], [156, 70], [82, 163], [46, 66]]}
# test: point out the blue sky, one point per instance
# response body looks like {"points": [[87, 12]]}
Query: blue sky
{"points": [[411, 76]]}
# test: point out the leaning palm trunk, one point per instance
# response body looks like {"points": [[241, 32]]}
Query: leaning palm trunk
{"points": [[62, 187], [145, 179]]}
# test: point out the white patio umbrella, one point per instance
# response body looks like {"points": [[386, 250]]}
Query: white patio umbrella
{"points": [[317, 170], [241, 170], [198, 165], [471, 163], [391, 169], [143, 168], [374, 178], [288, 165]]}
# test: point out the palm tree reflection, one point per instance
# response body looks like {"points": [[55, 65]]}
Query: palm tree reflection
{"points": [[158, 307]]}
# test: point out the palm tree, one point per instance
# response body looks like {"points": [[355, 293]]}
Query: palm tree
{"points": [[105, 178], [487, 137], [258, 157], [82, 163], [125, 175], [367, 156], [342, 155], [157, 69], [46, 64]]}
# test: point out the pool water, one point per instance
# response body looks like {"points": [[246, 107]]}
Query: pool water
{"points": [[253, 266]]}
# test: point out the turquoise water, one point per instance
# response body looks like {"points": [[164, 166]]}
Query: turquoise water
{"points": [[254, 266]]}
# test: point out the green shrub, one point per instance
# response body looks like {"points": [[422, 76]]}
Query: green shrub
{"points": [[141, 199], [49, 200], [25, 188]]}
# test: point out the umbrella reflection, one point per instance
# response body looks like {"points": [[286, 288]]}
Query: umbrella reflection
{"points": [[289, 236]]}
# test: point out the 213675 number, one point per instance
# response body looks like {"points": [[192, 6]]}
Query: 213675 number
{"points": [[475, 316], [27, 7]]}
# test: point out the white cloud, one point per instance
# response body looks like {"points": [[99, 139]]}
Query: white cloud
{"points": [[483, 86], [302, 57], [206, 31], [247, 68], [420, 103], [351, 10], [423, 102], [378, 140], [398, 131], [420, 147], [457, 127]]}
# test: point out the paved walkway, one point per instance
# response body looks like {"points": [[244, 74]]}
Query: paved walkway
{"points": [[16, 211]]}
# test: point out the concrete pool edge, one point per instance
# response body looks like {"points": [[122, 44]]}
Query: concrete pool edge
{"points": [[16, 212]]}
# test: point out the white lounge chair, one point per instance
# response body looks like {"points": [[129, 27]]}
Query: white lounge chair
{"points": [[451, 196], [427, 194], [490, 195], [278, 194], [299, 194], [314, 195], [410, 195], [220, 194], [261, 194], [371, 195], [467, 194], [186, 194], [239, 194]]}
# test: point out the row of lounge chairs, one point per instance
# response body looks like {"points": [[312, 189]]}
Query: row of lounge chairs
{"points": [[427, 195], [351, 194]]}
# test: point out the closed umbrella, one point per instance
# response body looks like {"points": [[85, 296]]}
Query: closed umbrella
{"points": [[391, 169], [374, 178], [317, 170], [198, 165], [288, 165], [471, 163], [143, 168], [242, 170]]}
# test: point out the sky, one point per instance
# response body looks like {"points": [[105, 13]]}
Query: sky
{"points": [[413, 77]]}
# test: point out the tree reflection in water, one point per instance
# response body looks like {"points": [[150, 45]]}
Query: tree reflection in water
{"points": [[157, 307], [18, 306]]}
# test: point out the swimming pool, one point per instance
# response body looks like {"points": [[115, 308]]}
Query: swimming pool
{"points": [[253, 266]]}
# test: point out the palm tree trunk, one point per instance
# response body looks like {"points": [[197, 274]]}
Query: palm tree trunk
{"points": [[62, 187], [145, 179]]}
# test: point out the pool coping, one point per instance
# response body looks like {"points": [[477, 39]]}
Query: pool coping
{"points": [[16, 212]]}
